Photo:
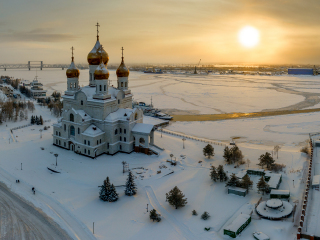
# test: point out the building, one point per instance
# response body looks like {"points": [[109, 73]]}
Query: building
{"points": [[281, 194], [316, 181], [237, 225], [36, 89], [256, 171], [238, 191], [273, 179], [260, 236], [301, 71], [99, 118]]}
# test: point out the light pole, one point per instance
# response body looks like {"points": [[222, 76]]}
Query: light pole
{"points": [[56, 155], [183, 139], [40, 133]]}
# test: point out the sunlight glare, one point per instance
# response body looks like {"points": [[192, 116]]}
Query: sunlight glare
{"points": [[249, 36]]}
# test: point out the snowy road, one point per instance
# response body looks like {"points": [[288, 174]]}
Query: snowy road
{"points": [[20, 220]]}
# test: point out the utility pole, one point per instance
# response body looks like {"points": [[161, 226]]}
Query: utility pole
{"points": [[21, 166], [147, 207], [56, 155], [183, 139], [93, 228]]}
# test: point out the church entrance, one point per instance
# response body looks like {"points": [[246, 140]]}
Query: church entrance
{"points": [[71, 146]]}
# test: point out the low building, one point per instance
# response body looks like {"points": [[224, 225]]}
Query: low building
{"points": [[301, 71], [256, 171], [237, 225], [273, 179], [280, 194], [316, 181], [241, 174], [238, 191]]}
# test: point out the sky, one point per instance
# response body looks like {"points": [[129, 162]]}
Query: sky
{"points": [[160, 31]]}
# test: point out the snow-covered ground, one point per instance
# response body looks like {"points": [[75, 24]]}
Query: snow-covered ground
{"points": [[202, 94], [72, 195]]}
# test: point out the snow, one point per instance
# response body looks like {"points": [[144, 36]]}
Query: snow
{"points": [[3, 97], [241, 174], [261, 236], [316, 180], [120, 114], [154, 121], [274, 180], [92, 131], [274, 203], [283, 211], [238, 222], [83, 114], [280, 192], [238, 189], [142, 128], [102, 68]]}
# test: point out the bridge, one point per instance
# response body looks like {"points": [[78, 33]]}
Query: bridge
{"points": [[38, 65]]}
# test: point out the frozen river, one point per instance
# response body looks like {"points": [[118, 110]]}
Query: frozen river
{"points": [[202, 94]]}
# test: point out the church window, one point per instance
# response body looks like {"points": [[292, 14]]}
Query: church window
{"points": [[72, 131], [59, 133], [124, 131], [124, 139], [108, 145], [126, 84], [120, 138], [116, 132], [120, 130], [105, 88], [57, 141], [64, 144], [81, 102], [85, 142], [71, 118], [97, 142], [122, 84], [100, 88], [78, 130], [118, 101], [88, 143], [85, 150], [65, 127], [120, 147], [88, 152], [100, 140]]}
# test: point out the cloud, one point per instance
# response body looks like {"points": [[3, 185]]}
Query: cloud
{"points": [[36, 35]]}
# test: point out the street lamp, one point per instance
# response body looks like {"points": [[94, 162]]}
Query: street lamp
{"points": [[183, 139], [56, 155], [40, 133]]}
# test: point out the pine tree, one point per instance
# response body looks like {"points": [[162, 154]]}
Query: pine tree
{"points": [[213, 174], [194, 212], [227, 155], [246, 182], [36, 121], [208, 151], [154, 215], [262, 186], [266, 160], [105, 190], [233, 182], [176, 198], [222, 175], [41, 120], [32, 119], [113, 195], [236, 154], [131, 188], [205, 216]]}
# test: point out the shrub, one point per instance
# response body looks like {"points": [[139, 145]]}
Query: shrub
{"points": [[305, 150], [194, 212], [205, 216]]}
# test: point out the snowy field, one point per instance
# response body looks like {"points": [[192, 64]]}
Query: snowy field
{"points": [[71, 197], [202, 94]]}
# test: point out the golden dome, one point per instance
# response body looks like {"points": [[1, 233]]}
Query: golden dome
{"points": [[101, 73], [72, 71], [94, 55], [122, 70]]}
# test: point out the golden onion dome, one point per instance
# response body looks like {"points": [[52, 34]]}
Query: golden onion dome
{"points": [[101, 73], [94, 56], [122, 70], [72, 71]]}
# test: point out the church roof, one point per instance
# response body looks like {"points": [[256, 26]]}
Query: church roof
{"points": [[83, 114], [142, 128], [120, 114], [92, 131]]}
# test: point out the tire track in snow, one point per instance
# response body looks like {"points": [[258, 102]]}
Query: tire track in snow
{"points": [[182, 229]]}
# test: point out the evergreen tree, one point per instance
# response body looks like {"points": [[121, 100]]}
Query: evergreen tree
{"points": [[176, 198], [104, 190], [41, 120], [113, 195], [227, 155], [194, 212], [266, 160], [205, 216], [246, 182], [213, 174], [32, 119], [131, 188], [262, 186], [236, 154], [233, 182], [222, 175], [154, 215], [36, 121], [208, 151]]}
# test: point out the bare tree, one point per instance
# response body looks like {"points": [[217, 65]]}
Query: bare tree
{"points": [[276, 149]]}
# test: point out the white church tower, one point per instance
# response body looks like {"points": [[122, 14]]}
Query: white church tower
{"points": [[94, 58], [122, 76], [72, 78]]}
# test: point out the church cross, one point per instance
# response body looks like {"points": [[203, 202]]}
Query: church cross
{"points": [[72, 53], [122, 52], [98, 25]]}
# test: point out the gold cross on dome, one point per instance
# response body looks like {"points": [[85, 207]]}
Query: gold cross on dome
{"points": [[72, 53], [98, 25]]}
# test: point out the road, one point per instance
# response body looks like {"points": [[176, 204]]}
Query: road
{"points": [[22, 221]]}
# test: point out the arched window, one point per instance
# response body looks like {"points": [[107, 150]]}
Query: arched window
{"points": [[88, 152], [81, 102], [57, 141], [116, 132], [120, 138], [97, 142], [124, 131], [120, 130], [136, 116], [88, 143], [85, 150], [64, 144], [122, 84], [100, 140], [85, 142], [120, 147], [72, 131], [59, 133], [108, 145], [142, 141], [105, 88], [78, 130], [65, 127], [71, 117], [100, 88], [124, 139], [118, 101]]}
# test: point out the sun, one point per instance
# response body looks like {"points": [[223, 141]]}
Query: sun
{"points": [[249, 37]]}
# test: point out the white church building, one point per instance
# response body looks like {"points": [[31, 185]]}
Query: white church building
{"points": [[99, 118]]}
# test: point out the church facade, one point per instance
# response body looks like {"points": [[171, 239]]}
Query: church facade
{"points": [[99, 118]]}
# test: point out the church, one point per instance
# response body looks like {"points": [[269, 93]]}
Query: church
{"points": [[99, 118]]}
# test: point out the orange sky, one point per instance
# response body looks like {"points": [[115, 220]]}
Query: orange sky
{"points": [[166, 31]]}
